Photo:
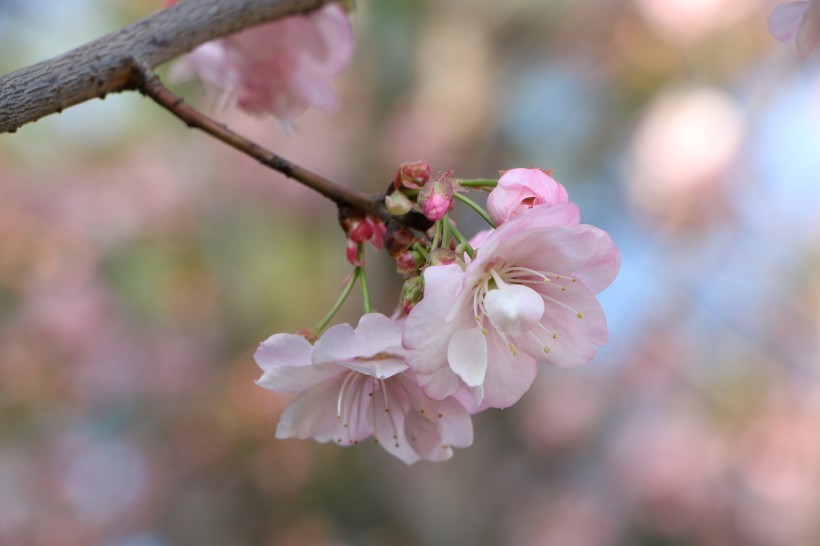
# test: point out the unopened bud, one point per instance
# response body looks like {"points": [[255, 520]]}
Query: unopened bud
{"points": [[436, 199], [397, 203], [413, 175], [412, 292]]}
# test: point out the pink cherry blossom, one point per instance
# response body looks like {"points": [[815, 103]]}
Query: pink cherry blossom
{"points": [[527, 297], [354, 383], [519, 190], [800, 20], [279, 68]]}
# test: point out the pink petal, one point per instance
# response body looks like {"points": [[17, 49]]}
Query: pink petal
{"points": [[785, 19], [809, 34], [600, 269], [467, 355], [566, 214], [521, 189], [561, 250], [575, 338], [311, 414], [426, 330], [283, 350], [509, 375], [440, 384], [387, 421], [432, 427], [376, 335], [297, 378]]}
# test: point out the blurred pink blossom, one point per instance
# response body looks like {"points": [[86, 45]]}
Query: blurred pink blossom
{"points": [[279, 68], [800, 20], [519, 190], [354, 383], [527, 297]]}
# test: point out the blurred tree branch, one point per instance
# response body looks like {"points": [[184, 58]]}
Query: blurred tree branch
{"points": [[112, 63]]}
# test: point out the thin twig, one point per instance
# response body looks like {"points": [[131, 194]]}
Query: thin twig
{"points": [[153, 88]]}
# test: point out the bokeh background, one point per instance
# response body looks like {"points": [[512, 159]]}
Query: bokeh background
{"points": [[141, 263]]}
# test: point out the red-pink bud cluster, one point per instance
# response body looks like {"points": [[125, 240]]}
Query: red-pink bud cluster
{"points": [[413, 175], [359, 228]]}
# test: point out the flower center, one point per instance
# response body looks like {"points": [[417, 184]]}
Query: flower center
{"points": [[513, 308]]}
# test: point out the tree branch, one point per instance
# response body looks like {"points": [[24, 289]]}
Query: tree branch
{"points": [[341, 195], [112, 63]]}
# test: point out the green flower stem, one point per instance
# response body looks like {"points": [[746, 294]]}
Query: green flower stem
{"points": [[437, 237], [338, 305], [421, 250], [461, 240], [368, 307], [479, 183], [445, 228], [473, 205]]}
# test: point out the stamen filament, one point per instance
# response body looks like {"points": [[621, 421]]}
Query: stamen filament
{"points": [[348, 379]]}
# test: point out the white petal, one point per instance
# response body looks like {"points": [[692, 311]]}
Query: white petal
{"points": [[513, 308], [467, 355]]}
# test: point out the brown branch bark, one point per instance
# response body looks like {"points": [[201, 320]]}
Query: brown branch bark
{"points": [[111, 63]]}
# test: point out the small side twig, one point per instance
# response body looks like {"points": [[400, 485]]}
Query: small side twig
{"points": [[153, 88]]}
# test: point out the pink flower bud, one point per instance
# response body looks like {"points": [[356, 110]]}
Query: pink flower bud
{"points": [[519, 190], [360, 228], [436, 199], [397, 203], [413, 175]]}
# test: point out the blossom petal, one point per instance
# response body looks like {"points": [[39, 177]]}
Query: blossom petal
{"points": [[297, 378], [426, 330], [566, 340], [509, 374], [283, 350], [434, 427], [285, 359], [785, 19], [602, 267], [387, 420], [373, 348], [561, 250], [312, 413], [440, 384], [467, 355]]}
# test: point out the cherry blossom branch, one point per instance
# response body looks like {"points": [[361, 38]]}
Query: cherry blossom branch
{"points": [[370, 204], [112, 63]]}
